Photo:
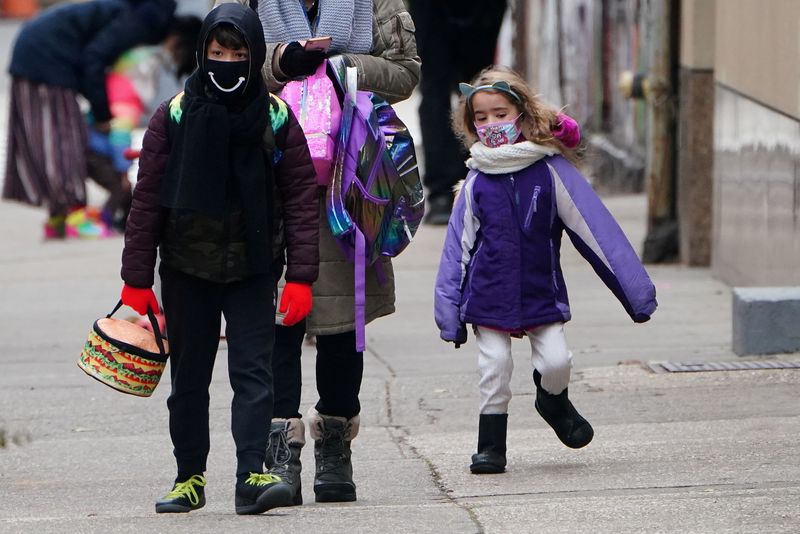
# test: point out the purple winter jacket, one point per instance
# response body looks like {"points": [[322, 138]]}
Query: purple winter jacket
{"points": [[500, 265]]}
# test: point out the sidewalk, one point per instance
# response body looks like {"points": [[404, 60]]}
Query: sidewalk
{"points": [[688, 452]]}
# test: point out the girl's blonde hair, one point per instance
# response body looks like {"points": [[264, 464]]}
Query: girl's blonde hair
{"points": [[538, 119]]}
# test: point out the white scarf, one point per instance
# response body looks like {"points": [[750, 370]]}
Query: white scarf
{"points": [[507, 158]]}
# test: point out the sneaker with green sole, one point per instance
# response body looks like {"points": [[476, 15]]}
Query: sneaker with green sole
{"points": [[262, 492], [185, 496]]}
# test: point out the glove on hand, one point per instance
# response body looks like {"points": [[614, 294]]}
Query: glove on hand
{"points": [[296, 299], [640, 318], [296, 62], [459, 338], [140, 299]]}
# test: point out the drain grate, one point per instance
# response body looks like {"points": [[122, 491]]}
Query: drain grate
{"points": [[700, 367]]}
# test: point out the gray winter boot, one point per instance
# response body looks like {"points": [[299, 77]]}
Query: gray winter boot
{"points": [[333, 480], [286, 440]]}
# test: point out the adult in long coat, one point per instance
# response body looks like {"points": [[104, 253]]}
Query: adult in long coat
{"points": [[376, 37]]}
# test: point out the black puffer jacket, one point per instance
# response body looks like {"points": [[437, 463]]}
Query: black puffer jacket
{"points": [[296, 183], [216, 247]]}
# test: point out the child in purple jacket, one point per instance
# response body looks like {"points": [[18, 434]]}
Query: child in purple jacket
{"points": [[500, 268]]}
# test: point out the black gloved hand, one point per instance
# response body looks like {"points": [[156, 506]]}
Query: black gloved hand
{"points": [[296, 62], [459, 338]]}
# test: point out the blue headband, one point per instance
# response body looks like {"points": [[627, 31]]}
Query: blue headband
{"points": [[468, 91]]}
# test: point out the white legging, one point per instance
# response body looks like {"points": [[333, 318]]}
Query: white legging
{"points": [[549, 354]]}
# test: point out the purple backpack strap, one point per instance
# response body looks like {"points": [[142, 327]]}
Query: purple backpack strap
{"points": [[360, 290]]}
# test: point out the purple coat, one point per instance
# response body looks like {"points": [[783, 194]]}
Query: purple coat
{"points": [[500, 265]]}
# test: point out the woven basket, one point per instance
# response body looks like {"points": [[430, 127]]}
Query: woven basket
{"points": [[125, 356]]}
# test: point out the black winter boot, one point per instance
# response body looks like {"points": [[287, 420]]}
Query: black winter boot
{"points": [[286, 440], [573, 430], [491, 455], [333, 480]]}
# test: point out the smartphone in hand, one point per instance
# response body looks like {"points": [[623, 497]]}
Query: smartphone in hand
{"points": [[318, 43]]}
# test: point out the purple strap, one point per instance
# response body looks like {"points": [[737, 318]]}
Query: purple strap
{"points": [[361, 296]]}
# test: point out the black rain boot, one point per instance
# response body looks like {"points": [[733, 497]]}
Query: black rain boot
{"points": [[286, 440], [333, 480], [573, 430], [491, 455]]}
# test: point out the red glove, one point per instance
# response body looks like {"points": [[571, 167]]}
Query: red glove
{"points": [[140, 299], [296, 299]]}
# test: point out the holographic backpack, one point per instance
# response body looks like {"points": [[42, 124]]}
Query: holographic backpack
{"points": [[374, 202]]}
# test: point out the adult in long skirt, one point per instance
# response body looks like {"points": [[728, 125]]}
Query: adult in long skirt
{"points": [[62, 53]]}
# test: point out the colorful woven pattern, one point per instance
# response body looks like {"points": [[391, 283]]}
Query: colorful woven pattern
{"points": [[119, 367]]}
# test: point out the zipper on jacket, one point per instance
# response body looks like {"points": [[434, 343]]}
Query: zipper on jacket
{"points": [[533, 207]]}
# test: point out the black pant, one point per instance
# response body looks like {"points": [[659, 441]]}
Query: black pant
{"points": [[456, 39], [101, 169], [193, 309], [339, 371]]}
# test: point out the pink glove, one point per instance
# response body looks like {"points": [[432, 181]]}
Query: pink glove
{"points": [[140, 299], [567, 131], [296, 299]]}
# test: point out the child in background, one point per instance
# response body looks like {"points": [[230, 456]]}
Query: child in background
{"points": [[61, 53], [500, 268], [204, 197], [131, 85]]}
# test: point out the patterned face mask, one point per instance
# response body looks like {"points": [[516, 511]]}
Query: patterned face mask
{"points": [[496, 134]]}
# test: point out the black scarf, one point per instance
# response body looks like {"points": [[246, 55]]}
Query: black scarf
{"points": [[217, 158]]}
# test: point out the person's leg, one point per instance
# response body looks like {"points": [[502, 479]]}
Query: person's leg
{"points": [[45, 162], [442, 151], [250, 325], [339, 371], [495, 366], [286, 369], [335, 422], [101, 170], [552, 362], [69, 141], [551, 357], [250, 319], [193, 307], [287, 431]]}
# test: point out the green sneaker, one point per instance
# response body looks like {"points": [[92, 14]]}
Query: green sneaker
{"points": [[185, 496], [262, 492]]}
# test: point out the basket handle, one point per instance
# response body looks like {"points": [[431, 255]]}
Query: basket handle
{"points": [[153, 321]]}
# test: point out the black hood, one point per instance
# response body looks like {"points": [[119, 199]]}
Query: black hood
{"points": [[247, 23]]}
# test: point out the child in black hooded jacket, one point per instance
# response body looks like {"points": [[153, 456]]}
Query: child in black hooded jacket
{"points": [[204, 196]]}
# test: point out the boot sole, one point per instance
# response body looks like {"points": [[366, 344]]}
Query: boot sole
{"points": [[486, 469], [170, 508], [275, 497], [573, 444], [334, 495]]}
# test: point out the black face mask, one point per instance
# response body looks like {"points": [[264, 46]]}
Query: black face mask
{"points": [[227, 79]]}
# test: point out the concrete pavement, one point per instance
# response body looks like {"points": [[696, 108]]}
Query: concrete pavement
{"points": [[688, 452]]}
